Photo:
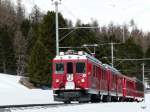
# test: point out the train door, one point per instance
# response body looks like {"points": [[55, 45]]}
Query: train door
{"points": [[104, 80], [108, 80], [69, 68], [119, 86], [69, 76], [99, 77], [124, 87], [89, 73], [93, 79]]}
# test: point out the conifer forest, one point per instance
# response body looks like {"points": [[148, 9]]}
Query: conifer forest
{"points": [[28, 45]]}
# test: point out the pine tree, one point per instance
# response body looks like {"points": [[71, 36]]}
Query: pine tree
{"points": [[7, 29], [25, 27], [47, 31], [86, 36], [39, 69], [7, 55], [130, 50], [38, 65]]}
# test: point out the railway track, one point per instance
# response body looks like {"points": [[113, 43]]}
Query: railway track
{"points": [[8, 108], [30, 105]]}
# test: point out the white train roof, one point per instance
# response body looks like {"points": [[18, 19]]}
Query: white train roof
{"points": [[71, 55], [111, 68]]}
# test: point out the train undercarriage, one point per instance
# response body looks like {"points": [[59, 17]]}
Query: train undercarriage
{"points": [[83, 96]]}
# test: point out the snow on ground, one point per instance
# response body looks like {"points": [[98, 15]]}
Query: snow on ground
{"points": [[10, 82], [11, 92], [100, 107]]}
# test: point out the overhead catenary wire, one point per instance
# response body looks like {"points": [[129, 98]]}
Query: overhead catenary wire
{"points": [[90, 27], [140, 59], [70, 12]]}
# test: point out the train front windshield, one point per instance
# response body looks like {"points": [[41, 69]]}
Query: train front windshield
{"points": [[80, 67], [59, 68]]}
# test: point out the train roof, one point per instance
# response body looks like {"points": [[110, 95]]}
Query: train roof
{"points": [[106, 66], [93, 59], [71, 55]]}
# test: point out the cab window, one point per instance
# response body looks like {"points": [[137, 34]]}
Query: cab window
{"points": [[80, 67], [59, 68]]}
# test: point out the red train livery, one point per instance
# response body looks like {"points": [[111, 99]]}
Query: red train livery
{"points": [[83, 78]]}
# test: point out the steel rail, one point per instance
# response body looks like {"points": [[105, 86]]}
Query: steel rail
{"points": [[31, 105]]}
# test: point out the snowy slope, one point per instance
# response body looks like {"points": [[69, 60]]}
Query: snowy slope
{"points": [[11, 92], [10, 82]]}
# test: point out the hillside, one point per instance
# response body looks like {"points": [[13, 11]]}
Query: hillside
{"points": [[12, 92]]}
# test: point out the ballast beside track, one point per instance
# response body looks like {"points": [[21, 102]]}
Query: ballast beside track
{"points": [[8, 108], [36, 105], [32, 105]]}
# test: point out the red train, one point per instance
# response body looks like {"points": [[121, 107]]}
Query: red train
{"points": [[83, 78]]}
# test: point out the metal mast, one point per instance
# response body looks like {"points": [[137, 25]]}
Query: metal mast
{"points": [[143, 74], [112, 54], [56, 3]]}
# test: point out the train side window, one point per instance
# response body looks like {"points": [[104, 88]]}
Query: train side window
{"points": [[94, 70], [100, 72], [59, 68], [80, 67], [103, 74]]}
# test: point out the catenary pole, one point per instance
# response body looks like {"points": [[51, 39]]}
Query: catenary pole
{"points": [[143, 74], [112, 54], [56, 3]]}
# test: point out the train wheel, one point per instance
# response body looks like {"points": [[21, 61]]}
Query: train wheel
{"points": [[106, 98], [83, 101], [114, 98], [122, 99], [67, 102], [95, 98]]}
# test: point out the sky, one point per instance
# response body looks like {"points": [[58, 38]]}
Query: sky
{"points": [[104, 11]]}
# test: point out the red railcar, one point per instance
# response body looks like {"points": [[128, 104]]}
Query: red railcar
{"points": [[81, 77]]}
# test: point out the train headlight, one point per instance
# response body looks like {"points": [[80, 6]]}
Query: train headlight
{"points": [[57, 80], [82, 80]]}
